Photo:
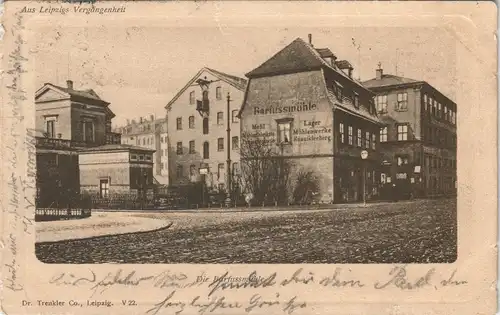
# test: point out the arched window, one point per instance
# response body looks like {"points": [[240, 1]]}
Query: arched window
{"points": [[206, 153], [205, 125]]}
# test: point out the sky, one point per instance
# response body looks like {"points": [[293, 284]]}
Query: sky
{"points": [[139, 69]]}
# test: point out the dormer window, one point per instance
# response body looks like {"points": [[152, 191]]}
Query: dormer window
{"points": [[339, 91], [356, 101]]}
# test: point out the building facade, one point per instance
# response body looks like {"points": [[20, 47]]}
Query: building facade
{"points": [[419, 137], [150, 133], [197, 123], [306, 106], [116, 169], [66, 121]]}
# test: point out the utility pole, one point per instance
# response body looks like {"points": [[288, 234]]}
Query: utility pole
{"points": [[228, 172]]}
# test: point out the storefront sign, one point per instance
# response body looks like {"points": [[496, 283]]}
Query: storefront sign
{"points": [[301, 106], [401, 176]]}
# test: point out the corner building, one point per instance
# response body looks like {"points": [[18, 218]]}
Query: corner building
{"points": [[307, 104], [419, 138]]}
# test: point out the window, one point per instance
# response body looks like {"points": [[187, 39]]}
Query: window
{"points": [[206, 153], [367, 140], [104, 188], [403, 159], [445, 112], [381, 101], [88, 131], [51, 129], [236, 143], [205, 126], [133, 157], [179, 148], [148, 157], [359, 139], [166, 152], [284, 131], [374, 140], [191, 97], [234, 116], [220, 171], [349, 134], [180, 171], [453, 118], [434, 107], [339, 93], [341, 132], [356, 100], [161, 139], [192, 170], [383, 134], [191, 122], [425, 102], [191, 147], [439, 110], [402, 132], [220, 118], [402, 101], [179, 123], [143, 141], [218, 93], [220, 144]]}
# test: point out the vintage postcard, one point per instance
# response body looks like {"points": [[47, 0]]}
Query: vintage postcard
{"points": [[249, 157]]}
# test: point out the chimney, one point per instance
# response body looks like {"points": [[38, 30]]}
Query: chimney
{"points": [[152, 117], [379, 73], [310, 39], [69, 84]]}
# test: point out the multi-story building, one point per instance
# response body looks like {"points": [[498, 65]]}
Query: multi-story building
{"points": [[419, 139], [151, 134], [69, 121], [197, 123], [306, 103]]}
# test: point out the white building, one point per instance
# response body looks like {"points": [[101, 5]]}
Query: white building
{"points": [[197, 124]]}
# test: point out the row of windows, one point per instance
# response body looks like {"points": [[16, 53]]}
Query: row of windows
{"points": [[221, 167], [235, 141], [401, 104], [438, 110], [435, 162], [339, 93], [140, 157], [220, 121], [218, 95], [145, 141], [360, 138], [402, 135], [440, 136]]}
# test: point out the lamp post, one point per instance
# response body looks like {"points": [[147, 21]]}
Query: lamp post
{"points": [[364, 156], [228, 173]]}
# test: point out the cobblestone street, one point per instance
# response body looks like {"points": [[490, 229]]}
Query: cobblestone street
{"points": [[422, 231]]}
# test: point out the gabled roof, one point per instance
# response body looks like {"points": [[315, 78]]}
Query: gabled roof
{"points": [[388, 80], [299, 56], [235, 81], [325, 53]]}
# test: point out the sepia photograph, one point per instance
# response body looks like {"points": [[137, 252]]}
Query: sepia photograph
{"points": [[248, 146]]}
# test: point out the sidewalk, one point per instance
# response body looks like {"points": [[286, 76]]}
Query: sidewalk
{"points": [[99, 224]]}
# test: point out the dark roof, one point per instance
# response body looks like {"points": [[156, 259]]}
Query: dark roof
{"points": [[388, 80], [347, 106], [116, 147], [325, 52], [343, 64], [295, 57], [240, 83], [89, 93]]}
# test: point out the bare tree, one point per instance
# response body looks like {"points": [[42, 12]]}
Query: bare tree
{"points": [[265, 172]]}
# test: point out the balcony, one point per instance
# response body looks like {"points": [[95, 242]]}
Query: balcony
{"points": [[61, 144]]}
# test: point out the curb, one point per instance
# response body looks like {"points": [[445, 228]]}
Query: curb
{"points": [[106, 235]]}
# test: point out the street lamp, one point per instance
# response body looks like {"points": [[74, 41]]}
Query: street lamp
{"points": [[364, 156], [228, 181]]}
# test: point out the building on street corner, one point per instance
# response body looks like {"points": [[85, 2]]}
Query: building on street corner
{"points": [[419, 139], [312, 116], [197, 122]]}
